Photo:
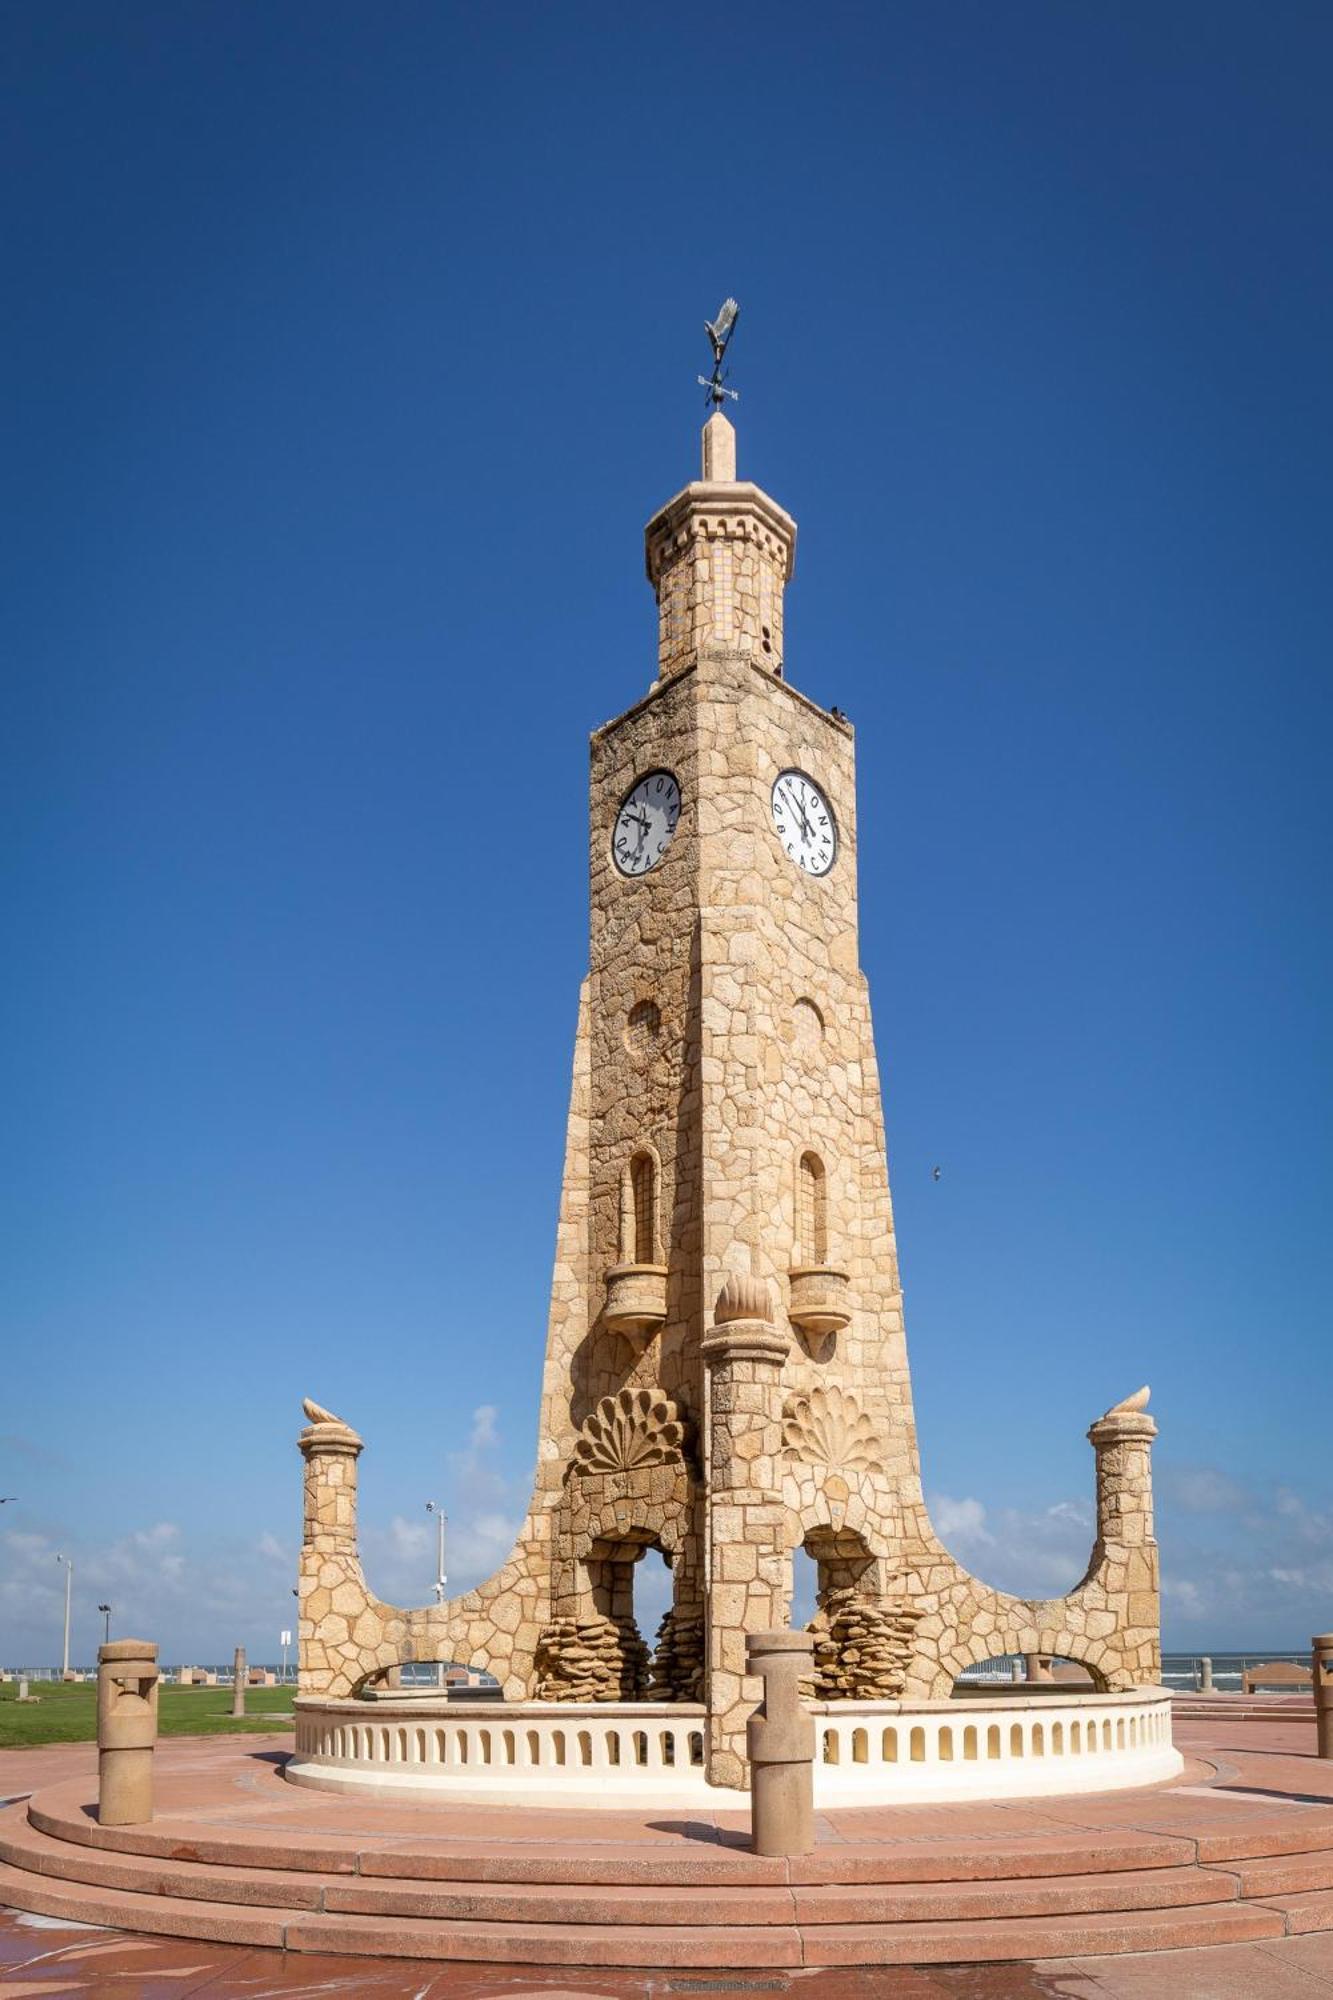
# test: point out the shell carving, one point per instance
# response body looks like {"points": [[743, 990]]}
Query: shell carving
{"points": [[630, 1429], [829, 1427]]}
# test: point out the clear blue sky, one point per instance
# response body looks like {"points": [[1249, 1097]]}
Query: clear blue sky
{"points": [[346, 351]]}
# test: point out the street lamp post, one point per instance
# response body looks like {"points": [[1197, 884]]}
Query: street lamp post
{"points": [[105, 1610], [440, 1577], [69, 1579]]}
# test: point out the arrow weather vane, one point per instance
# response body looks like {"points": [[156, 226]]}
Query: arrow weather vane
{"points": [[719, 333]]}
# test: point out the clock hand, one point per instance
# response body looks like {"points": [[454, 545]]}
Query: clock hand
{"points": [[800, 812]]}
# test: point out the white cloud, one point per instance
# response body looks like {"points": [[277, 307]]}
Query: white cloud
{"points": [[959, 1521], [1042, 1553], [1200, 1489], [483, 1431]]}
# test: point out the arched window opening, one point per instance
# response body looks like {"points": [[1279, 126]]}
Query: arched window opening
{"points": [[811, 1211], [638, 1211]]}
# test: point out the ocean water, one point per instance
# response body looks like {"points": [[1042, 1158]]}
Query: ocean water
{"points": [[1181, 1672]]}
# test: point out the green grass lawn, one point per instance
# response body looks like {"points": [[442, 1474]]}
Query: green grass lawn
{"points": [[69, 1714]]}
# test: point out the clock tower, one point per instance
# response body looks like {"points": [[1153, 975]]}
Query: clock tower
{"points": [[726, 1376]]}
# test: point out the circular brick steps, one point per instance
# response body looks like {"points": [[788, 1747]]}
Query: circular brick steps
{"points": [[1261, 1869]]}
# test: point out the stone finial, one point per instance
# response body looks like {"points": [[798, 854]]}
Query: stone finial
{"points": [[719, 460], [317, 1414], [1132, 1404], [743, 1297], [326, 1433]]}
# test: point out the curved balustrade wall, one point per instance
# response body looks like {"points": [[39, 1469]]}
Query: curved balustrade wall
{"points": [[646, 1753]]}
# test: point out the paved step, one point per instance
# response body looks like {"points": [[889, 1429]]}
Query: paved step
{"points": [[1040, 1937], [742, 1946], [1312, 1912], [1284, 1874], [61, 1812], [24, 1846], [900, 1932]]}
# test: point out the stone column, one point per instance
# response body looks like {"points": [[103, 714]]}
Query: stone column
{"points": [[239, 1670], [1122, 1440], [746, 1582], [330, 1563], [781, 1741], [127, 1680]]}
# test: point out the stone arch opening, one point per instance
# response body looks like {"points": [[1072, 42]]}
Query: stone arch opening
{"points": [[862, 1632], [992, 1671], [804, 1599], [453, 1679], [842, 1562]]}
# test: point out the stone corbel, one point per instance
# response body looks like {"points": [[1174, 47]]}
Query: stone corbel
{"points": [[820, 1305], [636, 1301]]}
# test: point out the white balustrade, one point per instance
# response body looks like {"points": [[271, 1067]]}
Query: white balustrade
{"points": [[1022, 1746], [868, 1753]]}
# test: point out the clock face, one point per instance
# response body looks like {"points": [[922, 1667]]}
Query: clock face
{"points": [[645, 823], [805, 823]]}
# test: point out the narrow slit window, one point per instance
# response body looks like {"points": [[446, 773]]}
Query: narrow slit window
{"points": [[641, 1219], [811, 1211]]}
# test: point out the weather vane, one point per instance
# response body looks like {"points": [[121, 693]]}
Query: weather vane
{"points": [[719, 333]]}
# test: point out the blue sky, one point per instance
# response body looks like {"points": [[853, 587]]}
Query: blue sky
{"points": [[348, 349]]}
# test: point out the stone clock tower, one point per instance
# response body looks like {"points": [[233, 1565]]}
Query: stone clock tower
{"points": [[726, 1376]]}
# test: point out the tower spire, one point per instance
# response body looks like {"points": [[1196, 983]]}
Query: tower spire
{"points": [[719, 448]]}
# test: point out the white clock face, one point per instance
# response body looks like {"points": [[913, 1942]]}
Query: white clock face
{"points": [[805, 823], [645, 823]]}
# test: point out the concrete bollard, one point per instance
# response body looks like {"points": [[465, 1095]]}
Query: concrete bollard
{"points": [[1205, 1675], [127, 1679], [780, 1741], [1322, 1675], [239, 1671]]}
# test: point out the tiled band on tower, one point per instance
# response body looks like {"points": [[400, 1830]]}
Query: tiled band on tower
{"points": [[726, 1376]]}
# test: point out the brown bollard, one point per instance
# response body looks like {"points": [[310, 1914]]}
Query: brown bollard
{"points": [[780, 1740], [1322, 1675], [239, 1671], [127, 1679]]}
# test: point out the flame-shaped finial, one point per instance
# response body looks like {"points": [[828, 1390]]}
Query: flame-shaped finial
{"points": [[1131, 1404], [743, 1297], [319, 1415]]}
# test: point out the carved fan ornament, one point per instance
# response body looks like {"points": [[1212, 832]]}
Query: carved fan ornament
{"points": [[630, 1429], [828, 1427]]}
